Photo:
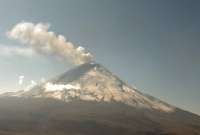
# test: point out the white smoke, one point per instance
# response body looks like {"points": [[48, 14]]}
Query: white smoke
{"points": [[59, 87], [21, 80], [47, 42]]}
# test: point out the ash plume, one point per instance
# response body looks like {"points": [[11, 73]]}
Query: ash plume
{"points": [[46, 42]]}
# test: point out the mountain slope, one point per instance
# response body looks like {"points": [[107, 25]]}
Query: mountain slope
{"points": [[90, 100], [47, 116], [93, 82]]}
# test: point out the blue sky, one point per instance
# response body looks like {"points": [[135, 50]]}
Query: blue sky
{"points": [[153, 45]]}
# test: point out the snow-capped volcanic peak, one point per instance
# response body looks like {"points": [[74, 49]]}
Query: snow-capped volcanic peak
{"points": [[93, 82]]}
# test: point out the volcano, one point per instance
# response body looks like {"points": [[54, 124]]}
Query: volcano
{"points": [[91, 100]]}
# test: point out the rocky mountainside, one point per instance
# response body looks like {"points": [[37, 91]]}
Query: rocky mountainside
{"points": [[90, 100], [93, 82]]}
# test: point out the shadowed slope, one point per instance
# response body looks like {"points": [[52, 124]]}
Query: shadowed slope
{"points": [[53, 117]]}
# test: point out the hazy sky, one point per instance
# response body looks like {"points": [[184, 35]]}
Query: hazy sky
{"points": [[153, 45]]}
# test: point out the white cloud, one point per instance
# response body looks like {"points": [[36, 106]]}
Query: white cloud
{"points": [[47, 42], [42, 80], [16, 51], [31, 85]]}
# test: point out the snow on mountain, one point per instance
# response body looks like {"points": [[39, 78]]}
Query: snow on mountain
{"points": [[93, 82], [59, 87]]}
